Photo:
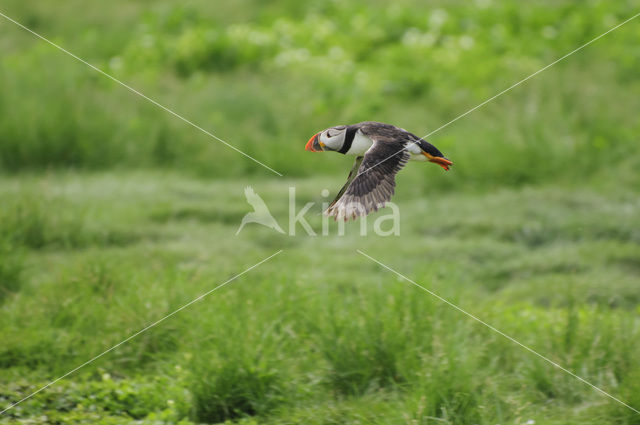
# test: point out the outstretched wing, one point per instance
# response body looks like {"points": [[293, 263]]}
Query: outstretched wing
{"points": [[352, 175], [374, 181]]}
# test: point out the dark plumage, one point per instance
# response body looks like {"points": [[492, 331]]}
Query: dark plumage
{"points": [[381, 151]]}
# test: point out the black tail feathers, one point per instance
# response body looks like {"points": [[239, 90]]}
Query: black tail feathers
{"points": [[430, 149]]}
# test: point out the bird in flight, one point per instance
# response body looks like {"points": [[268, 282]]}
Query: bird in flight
{"points": [[381, 150]]}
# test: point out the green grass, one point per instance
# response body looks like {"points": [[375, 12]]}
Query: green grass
{"points": [[319, 333], [265, 78]]}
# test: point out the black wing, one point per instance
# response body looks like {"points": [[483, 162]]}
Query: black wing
{"points": [[352, 175], [374, 183]]}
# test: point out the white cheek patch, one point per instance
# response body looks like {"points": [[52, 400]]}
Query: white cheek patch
{"points": [[332, 142], [327, 141]]}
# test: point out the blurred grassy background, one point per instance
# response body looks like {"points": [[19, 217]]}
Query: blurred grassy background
{"points": [[113, 213], [265, 78]]}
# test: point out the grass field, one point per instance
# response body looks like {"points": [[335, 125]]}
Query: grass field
{"points": [[318, 334], [113, 214]]}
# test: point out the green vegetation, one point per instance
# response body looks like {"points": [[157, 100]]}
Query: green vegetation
{"points": [[265, 79], [319, 331], [113, 214]]}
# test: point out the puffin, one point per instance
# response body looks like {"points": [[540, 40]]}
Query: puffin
{"points": [[381, 150]]}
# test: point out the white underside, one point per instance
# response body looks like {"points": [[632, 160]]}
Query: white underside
{"points": [[418, 157], [360, 145], [416, 152], [413, 148]]}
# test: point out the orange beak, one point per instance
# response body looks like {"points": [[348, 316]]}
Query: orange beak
{"points": [[440, 160], [313, 144]]}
